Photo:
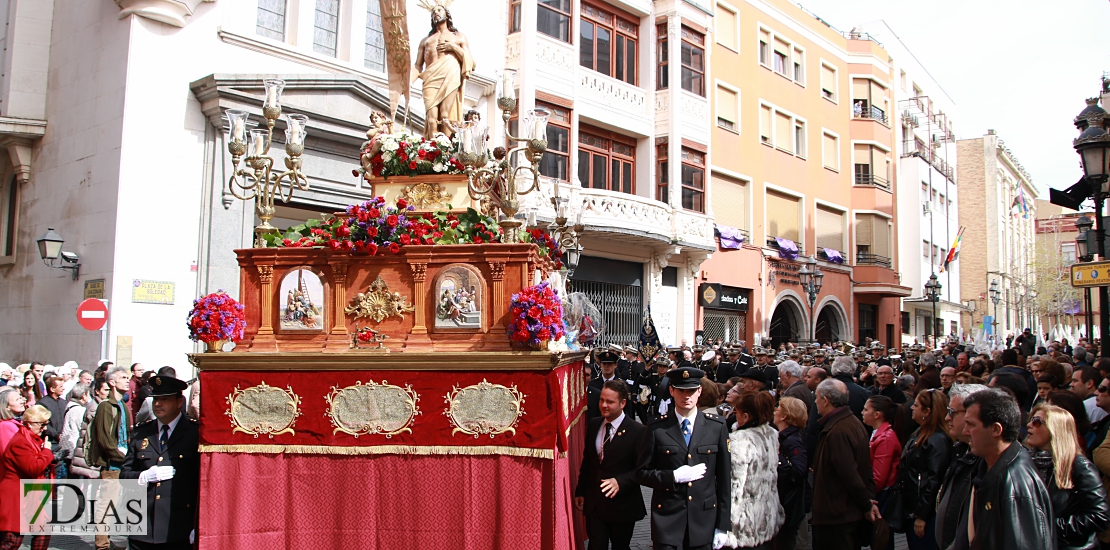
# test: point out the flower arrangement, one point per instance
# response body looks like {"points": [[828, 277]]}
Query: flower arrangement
{"points": [[537, 317], [469, 228], [374, 226], [549, 248], [216, 317], [404, 154]]}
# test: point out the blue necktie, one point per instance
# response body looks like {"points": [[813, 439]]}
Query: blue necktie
{"points": [[686, 431], [165, 436]]}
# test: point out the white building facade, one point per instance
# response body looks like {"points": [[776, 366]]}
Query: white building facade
{"points": [[113, 118]]}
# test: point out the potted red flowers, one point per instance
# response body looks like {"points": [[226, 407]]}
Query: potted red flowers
{"points": [[537, 317], [215, 319]]}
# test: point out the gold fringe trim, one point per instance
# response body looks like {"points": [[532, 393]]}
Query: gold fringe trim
{"points": [[548, 454], [581, 414]]}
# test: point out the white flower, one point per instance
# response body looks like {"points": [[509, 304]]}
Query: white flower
{"points": [[439, 167], [386, 155]]}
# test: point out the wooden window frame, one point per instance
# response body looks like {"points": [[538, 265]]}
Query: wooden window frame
{"points": [[569, 14], [610, 153], [688, 38], [690, 159], [611, 20], [515, 16], [662, 181], [10, 197], [662, 57]]}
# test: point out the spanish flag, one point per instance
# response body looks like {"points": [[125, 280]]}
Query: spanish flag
{"points": [[954, 250]]}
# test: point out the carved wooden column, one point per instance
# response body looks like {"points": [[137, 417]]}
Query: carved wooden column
{"points": [[338, 338], [497, 273], [418, 339], [264, 340]]}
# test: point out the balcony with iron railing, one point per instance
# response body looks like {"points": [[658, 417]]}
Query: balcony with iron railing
{"points": [[864, 176], [861, 110], [918, 148], [774, 244], [867, 258]]}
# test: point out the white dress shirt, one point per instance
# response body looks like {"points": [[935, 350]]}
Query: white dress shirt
{"points": [[172, 425], [601, 432], [691, 417]]}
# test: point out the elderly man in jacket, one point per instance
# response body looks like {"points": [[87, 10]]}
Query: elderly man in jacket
{"points": [[843, 369], [844, 487], [1009, 506]]}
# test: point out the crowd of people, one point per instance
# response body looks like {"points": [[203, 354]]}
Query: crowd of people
{"points": [[838, 446], [112, 423]]}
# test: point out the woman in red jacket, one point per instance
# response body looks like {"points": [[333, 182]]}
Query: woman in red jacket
{"points": [[27, 457], [879, 412]]}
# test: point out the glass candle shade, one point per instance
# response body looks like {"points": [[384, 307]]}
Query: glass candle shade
{"points": [[508, 84], [237, 125], [257, 143], [535, 124], [274, 87], [297, 128]]}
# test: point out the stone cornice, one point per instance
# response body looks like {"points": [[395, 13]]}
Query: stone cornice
{"points": [[170, 12]]}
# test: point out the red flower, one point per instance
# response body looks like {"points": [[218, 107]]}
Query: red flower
{"points": [[287, 242], [544, 334], [347, 245], [402, 204], [360, 246], [372, 231], [405, 239], [478, 240], [333, 244], [391, 220], [394, 248], [372, 248], [520, 336], [429, 241], [374, 212], [454, 224], [535, 312], [422, 154], [412, 165], [343, 231], [437, 234]]}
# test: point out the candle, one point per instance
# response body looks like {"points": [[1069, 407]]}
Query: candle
{"points": [[294, 134], [507, 86], [271, 96], [259, 144], [578, 219], [239, 130]]}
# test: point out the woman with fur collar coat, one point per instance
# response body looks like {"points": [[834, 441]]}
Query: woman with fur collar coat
{"points": [[757, 513]]}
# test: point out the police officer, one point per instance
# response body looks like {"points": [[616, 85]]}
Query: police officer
{"points": [[689, 471], [163, 455], [654, 395], [636, 365], [608, 359]]}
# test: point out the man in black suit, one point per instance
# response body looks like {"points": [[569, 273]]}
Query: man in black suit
{"points": [[163, 454], [607, 492], [689, 471]]}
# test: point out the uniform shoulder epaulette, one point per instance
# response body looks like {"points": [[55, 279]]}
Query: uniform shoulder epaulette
{"points": [[191, 419], [659, 420], [714, 417], [144, 424]]}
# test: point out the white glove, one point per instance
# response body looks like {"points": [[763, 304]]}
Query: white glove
{"points": [[156, 473], [684, 474], [193, 536], [720, 539], [663, 406]]}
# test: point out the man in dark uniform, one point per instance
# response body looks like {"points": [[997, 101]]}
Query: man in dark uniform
{"points": [[655, 382], [636, 365], [766, 364], [607, 492], [726, 368], [624, 367], [163, 454], [607, 359], [820, 359], [689, 471], [741, 361]]}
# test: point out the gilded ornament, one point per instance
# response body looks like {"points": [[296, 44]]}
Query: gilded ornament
{"points": [[566, 395], [372, 408], [379, 303], [484, 408], [263, 409], [423, 195]]}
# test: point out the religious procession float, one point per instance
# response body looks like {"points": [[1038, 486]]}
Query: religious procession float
{"points": [[405, 374]]}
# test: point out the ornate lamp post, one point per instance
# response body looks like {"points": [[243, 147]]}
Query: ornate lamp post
{"points": [[497, 181], [932, 293], [257, 179], [1085, 253], [1093, 146], [566, 236], [811, 278], [995, 295]]}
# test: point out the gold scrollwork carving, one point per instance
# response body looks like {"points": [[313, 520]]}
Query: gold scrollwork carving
{"points": [[379, 303], [423, 195], [372, 408], [484, 408], [263, 410]]}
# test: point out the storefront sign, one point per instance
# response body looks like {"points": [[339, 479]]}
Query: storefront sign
{"points": [[152, 292], [718, 296]]}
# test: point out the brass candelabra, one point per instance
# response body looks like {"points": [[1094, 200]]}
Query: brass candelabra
{"points": [[566, 235], [257, 180], [494, 177]]}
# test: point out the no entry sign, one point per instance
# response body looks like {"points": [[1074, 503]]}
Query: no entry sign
{"points": [[92, 314]]}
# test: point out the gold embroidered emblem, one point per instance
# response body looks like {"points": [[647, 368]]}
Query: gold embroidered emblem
{"points": [[144, 444], [263, 410], [988, 506], [484, 408], [372, 408], [686, 374], [158, 381]]}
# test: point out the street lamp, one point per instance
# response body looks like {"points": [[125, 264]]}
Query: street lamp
{"points": [[50, 250], [1093, 147], [932, 293], [995, 295], [811, 278], [1085, 253]]}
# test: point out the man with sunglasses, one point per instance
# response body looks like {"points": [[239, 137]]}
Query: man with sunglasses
{"points": [[1102, 400], [952, 498]]}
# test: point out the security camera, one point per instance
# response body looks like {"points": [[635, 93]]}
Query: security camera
{"points": [[70, 257]]}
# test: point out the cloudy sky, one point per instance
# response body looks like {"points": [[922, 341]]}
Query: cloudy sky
{"points": [[1021, 67]]}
